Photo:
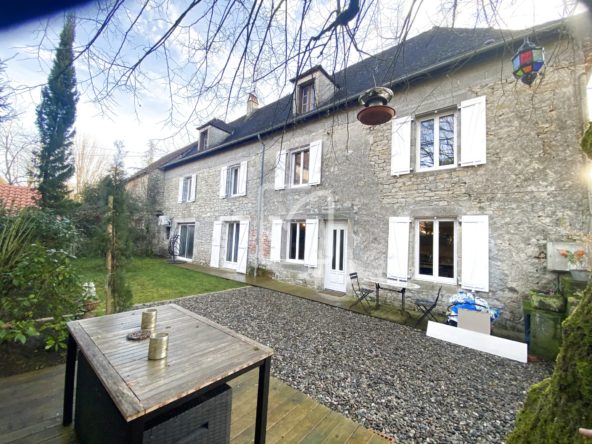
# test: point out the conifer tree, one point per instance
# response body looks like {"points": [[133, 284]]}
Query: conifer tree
{"points": [[56, 114]]}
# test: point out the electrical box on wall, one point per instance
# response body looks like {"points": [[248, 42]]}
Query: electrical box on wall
{"points": [[556, 262]]}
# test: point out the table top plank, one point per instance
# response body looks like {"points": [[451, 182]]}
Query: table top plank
{"points": [[392, 283], [200, 353], [184, 387], [127, 402]]}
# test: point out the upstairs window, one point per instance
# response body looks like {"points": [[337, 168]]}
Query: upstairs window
{"points": [[300, 167], [203, 142], [233, 180], [437, 142], [233, 173], [187, 190], [307, 95]]}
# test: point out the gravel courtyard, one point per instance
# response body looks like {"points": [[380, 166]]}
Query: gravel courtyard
{"points": [[388, 377]]}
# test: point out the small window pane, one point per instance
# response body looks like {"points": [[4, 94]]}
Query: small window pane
{"points": [[426, 248], [426, 155], [301, 239], [293, 238], [229, 240], [305, 161], [297, 168], [186, 189], [446, 140], [190, 235], [182, 239], [446, 249], [334, 250], [341, 243], [234, 181], [236, 237]]}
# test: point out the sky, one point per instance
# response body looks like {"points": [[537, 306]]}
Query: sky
{"points": [[136, 122]]}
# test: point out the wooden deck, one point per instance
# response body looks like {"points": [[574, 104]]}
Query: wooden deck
{"points": [[31, 412]]}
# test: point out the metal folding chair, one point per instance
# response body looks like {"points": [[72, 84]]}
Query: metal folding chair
{"points": [[426, 306], [361, 293]]}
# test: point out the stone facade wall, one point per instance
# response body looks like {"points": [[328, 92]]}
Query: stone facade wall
{"points": [[533, 186]]}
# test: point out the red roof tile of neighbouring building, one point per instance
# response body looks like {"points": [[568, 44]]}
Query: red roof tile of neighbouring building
{"points": [[20, 197]]}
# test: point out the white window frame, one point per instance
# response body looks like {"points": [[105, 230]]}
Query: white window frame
{"points": [[436, 118], [293, 155], [227, 264], [188, 224], [233, 178], [204, 140], [289, 232], [311, 96], [436, 279], [186, 194]]}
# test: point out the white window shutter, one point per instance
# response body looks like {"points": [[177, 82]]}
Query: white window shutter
{"points": [[276, 240], [216, 238], [223, 173], [401, 146], [280, 170], [193, 187], [315, 163], [242, 179], [398, 248], [473, 132], [243, 247], [311, 243], [180, 196], [475, 253]]}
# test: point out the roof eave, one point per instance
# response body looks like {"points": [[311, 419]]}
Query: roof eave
{"points": [[354, 98]]}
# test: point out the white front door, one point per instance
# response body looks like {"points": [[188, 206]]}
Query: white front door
{"points": [[336, 256]]}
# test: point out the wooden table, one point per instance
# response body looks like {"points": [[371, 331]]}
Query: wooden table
{"points": [[202, 355], [386, 283]]}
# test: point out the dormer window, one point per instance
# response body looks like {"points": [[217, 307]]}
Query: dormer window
{"points": [[203, 142], [307, 95]]}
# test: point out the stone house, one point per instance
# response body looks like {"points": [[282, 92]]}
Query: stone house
{"points": [[463, 189]]}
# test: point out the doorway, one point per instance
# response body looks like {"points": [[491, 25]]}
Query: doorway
{"points": [[336, 256]]}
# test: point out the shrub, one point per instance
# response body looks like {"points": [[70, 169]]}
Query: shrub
{"points": [[35, 282]]}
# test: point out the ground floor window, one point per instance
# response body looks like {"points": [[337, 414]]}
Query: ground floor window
{"points": [[232, 237], [435, 247], [186, 236], [296, 238]]}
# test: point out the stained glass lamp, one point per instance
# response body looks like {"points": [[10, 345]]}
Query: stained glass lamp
{"points": [[528, 61]]}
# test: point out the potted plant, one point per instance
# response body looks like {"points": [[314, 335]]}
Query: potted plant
{"points": [[90, 300], [578, 264]]}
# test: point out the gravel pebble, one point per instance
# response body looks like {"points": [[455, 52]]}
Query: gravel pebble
{"points": [[386, 376]]}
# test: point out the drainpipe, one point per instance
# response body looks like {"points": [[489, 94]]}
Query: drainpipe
{"points": [[259, 204]]}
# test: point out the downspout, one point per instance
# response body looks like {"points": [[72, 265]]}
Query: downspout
{"points": [[259, 205]]}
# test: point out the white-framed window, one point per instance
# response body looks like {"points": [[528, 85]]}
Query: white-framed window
{"points": [[187, 188], [233, 178], [300, 167], [203, 140], [436, 142], [232, 243], [307, 98], [167, 233], [295, 251], [435, 250], [185, 242]]}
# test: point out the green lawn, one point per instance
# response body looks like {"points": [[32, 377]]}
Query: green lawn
{"points": [[154, 280]]}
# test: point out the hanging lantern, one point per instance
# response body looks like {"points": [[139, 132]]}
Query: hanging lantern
{"points": [[376, 111], [528, 61]]}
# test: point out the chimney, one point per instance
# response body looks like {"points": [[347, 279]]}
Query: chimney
{"points": [[252, 104]]}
